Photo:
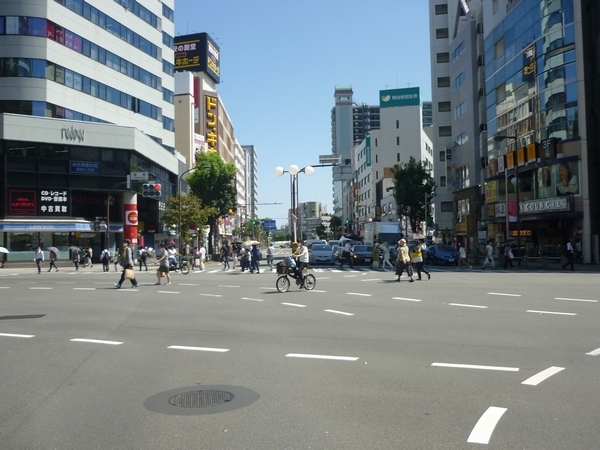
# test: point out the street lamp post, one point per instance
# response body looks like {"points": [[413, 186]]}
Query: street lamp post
{"points": [[180, 201], [294, 171], [515, 182]]}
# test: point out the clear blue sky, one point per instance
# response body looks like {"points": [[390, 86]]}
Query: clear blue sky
{"points": [[281, 61]]}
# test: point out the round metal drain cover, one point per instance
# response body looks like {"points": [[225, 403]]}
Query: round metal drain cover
{"points": [[201, 399]]}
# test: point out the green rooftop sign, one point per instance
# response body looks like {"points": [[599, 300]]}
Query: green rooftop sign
{"points": [[400, 97]]}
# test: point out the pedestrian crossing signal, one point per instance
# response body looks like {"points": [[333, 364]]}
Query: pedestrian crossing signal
{"points": [[151, 190]]}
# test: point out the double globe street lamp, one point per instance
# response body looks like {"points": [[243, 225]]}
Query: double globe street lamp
{"points": [[294, 171]]}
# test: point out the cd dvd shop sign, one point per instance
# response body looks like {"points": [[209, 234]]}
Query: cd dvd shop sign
{"points": [[39, 202]]}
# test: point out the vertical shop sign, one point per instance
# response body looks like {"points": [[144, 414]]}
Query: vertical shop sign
{"points": [[130, 228], [211, 123]]}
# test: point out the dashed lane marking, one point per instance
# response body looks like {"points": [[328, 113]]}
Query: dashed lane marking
{"points": [[338, 312], [349, 276], [594, 352], [551, 312], [199, 349], [294, 304], [506, 295], [84, 289], [252, 299], [576, 300], [227, 286], [467, 306], [407, 299], [4, 287], [359, 294], [41, 288], [188, 284], [482, 432], [167, 292], [26, 336], [372, 279], [336, 358], [543, 375], [477, 367], [211, 295], [96, 341]]}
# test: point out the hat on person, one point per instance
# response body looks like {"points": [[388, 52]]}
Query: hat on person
{"points": [[402, 242]]}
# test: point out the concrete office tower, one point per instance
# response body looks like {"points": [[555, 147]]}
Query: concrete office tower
{"points": [[86, 100], [458, 116], [251, 181], [350, 123], [400, 137]]}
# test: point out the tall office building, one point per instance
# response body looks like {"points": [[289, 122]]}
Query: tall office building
{"points": [[87, 106]]}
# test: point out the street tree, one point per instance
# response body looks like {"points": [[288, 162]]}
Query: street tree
{"points": [[190, 210], [413, 189], [335, 224], [213, 182], [320, 231]]}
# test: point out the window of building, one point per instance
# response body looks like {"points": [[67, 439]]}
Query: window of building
{"points": [[460, 110], [459, 80], [441, 33], [499, 48], [500, 93], [494, 6], [398, 157], [443, 82], [447, 207], [441, 9], [442, 181], [445, 131], [397, 124], [443, 57], [444, 106], [443, 155], [458, 51]]}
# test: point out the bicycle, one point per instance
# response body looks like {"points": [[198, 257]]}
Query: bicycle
{"points": [[183, 265], [285, 272]]}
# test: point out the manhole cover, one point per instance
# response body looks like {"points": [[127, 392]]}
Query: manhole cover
{"points": [[201, 399]]}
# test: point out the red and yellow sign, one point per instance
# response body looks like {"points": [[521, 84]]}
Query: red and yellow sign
{"points": [[491, 192], [211, 122]]}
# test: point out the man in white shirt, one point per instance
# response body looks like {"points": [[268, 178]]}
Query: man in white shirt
{"points": [[489, 256], [347, 255], [270, 255], [301, 255], [172, 252], [202, 252]]}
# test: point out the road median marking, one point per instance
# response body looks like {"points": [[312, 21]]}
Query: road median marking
{"points": [[576, 300], [252, 299], [359, 294], [26, 336], [543, 375], [294, 304], [482, 432], [407, 299]]}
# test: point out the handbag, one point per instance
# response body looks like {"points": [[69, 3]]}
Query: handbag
{"points": [[129, 274]]}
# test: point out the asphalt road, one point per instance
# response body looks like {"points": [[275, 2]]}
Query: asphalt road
{"points": [[500, 359]]}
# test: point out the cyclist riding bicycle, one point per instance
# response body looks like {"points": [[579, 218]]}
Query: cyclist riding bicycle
{"points": [[301, 255]]}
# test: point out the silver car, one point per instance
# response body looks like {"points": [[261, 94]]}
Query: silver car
{"points": [[321, 254]]}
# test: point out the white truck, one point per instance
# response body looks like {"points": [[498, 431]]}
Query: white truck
{"points": [[380, 232]]}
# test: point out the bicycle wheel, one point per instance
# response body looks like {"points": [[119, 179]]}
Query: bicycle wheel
{"points": [[185, 268], [310, 282], [282, 284]]}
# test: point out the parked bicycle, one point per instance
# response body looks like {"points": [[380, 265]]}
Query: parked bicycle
{"points": [[285, 270]]}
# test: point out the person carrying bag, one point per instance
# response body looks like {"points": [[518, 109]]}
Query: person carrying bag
{"points": [[126, 263]]}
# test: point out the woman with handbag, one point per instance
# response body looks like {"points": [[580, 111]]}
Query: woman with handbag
{"points": [[163, 266], [404, 261], [126, 263]]}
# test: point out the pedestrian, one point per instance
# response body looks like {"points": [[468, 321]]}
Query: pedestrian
{"points": [[270, 255], [105, 259], [163, 265], [143, 256], [202, 253], [375, 257], [508, 257], [417, 259], [91, 254], [404, 261], [76, 257], [126, 263], [570, 254], [224, 254], [39, 259], [234, 256], [86, 257], [347, 255], [53, 259], [578, 252], [489, 256], [195, 258], [172, 257], [386, 257], [255, 259], [462, 257]]}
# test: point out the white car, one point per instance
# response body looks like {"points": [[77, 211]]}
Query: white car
{"points": [[321, 254]]}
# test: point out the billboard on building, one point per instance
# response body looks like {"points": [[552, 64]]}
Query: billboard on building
{"points": [[211, 122], [198, 53], [390, 98]]}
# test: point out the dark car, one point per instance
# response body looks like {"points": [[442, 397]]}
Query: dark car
{"points": [[363, 255], [441, 255]]}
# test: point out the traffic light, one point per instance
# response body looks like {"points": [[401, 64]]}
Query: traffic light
{"points": [[151, 189], [347, 221], [96, 225]]}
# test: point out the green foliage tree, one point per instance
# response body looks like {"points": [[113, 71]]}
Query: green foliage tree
{"points": [[192, 213], [335, 225], [213, 182], [320, 231], [413, 185]]}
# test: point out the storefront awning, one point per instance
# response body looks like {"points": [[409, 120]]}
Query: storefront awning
{"points": [[57, 225]]}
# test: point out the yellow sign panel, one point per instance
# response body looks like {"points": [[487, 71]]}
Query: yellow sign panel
{"points": [[491, 192], [531, 152]]}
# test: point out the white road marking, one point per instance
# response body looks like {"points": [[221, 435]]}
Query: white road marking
{"points": [[72, 282], [471, 366], [594, 352], [188, 284], [482, 432], [349, 276], [253, 299], [467, 306], [406, 299], [337, 358], [84, 289], [215, 271], [317, 290], [18, 335], [506, 295], [372, 279], [322, 278], [96, 341], [294, 304], [551, 312], [211, 295], [227, 285], [318, 270], [4, 287], [576, 300], [41, 288], [338, 312], [336, 270], [543, 375], [358, 293], [199, 349], [167, 292]]}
